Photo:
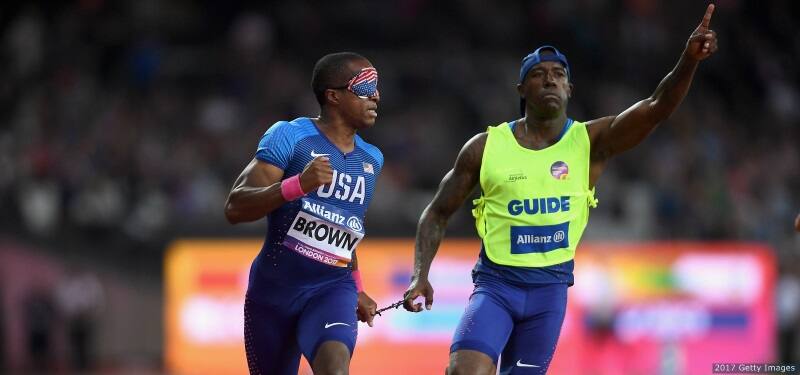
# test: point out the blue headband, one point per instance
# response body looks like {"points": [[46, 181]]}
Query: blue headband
{"points": [[535, 58]]}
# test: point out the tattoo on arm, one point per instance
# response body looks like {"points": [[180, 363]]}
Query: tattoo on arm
{"points": [[456, 185]]}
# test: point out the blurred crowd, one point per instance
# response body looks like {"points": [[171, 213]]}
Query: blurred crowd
{"points": [[124, 124], [133, 118], [127, 122]]}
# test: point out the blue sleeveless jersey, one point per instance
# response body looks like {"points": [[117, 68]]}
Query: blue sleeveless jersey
{"points": [[330, 217]]}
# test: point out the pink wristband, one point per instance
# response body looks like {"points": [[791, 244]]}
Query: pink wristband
{"points": [[291, 189], [357, 278]]}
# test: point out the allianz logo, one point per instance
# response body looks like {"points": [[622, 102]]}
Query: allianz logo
{"points": [[526, 239], [355, 224], [323, 212]]}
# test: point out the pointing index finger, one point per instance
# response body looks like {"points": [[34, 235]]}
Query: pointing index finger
{"points": [[707, 17]]}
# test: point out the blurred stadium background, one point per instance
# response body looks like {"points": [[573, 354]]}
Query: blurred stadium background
{"points": [[124, 123]]}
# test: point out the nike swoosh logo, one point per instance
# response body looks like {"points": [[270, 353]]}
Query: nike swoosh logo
{"points": [[520, 364], [314, 154], [327, 325]]}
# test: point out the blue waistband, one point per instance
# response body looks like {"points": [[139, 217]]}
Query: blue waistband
{"points": [[561, 273]]}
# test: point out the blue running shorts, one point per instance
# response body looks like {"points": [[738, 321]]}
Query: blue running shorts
{"points": [[521, 323], [291, 321]]}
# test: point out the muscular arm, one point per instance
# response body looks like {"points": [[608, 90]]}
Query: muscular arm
{"points": [[453, 190], [256, 193], [613, 135]]}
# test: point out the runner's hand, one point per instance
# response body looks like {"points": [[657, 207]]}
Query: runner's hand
{"points": [[703, 41], [418, 288], [366, 308], [317, 172]]}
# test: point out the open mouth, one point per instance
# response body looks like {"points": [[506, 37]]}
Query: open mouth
{"points": [[372, 112]]}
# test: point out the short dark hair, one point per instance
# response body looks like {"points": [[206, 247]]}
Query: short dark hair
{"points": [[331, 71]]}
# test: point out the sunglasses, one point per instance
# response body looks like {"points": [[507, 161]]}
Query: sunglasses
{"points": [[364, 85]]}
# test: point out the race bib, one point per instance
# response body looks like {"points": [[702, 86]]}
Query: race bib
{"points": [[324, 233]]}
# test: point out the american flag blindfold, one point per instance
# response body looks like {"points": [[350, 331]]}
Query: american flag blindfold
{"points": [[365, 83]]}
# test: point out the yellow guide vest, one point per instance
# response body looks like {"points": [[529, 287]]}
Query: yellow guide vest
{"points": [[534, 204]]}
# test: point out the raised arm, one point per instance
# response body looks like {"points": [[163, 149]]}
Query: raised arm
{"points": [[613, 135], [257, 190], [456, 185]]}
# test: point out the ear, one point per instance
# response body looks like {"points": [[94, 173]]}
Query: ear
{"points": [[332, 96], [519, 91], [569, 90]]}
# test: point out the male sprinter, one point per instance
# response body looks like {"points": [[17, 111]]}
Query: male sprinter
{"points": [[313, 178], [537, 177]]}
